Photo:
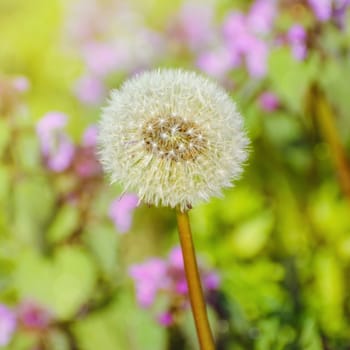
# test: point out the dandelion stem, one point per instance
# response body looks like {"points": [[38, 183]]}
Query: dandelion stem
{"points": [[204, 334], [324, 114]]}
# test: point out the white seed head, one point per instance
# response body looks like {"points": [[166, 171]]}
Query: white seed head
{"points": [[173, 137]]}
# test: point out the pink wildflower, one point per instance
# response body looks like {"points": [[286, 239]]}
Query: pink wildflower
{"points": [[121, 210]]}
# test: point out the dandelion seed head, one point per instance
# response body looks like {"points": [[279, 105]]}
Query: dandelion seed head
{"points": [[165, 133]]}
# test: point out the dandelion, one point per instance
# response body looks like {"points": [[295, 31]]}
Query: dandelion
{"points": [[174, 138]]}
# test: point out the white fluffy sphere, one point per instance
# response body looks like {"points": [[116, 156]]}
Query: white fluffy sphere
{"points": [[173, 137]]}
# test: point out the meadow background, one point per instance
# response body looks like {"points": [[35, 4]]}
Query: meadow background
{"points": [[80, 265]]}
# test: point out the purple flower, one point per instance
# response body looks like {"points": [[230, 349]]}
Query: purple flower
{"points": [[169, 278], [149, 278], [340, 10], [299, 51], [211, 281], [297, 39], [193, 26], [217, 63], [100, 58], [175, 258], [121, 210], [322, 9], [90, 136], [269, 101], [262, 15], [235, 31], [56, 147], [34, 317], [21, 84], [243, 39], [176, 270], [86, 164], [166, 319], [256, 58], [89, 90], [296, 33], [7, 324]]}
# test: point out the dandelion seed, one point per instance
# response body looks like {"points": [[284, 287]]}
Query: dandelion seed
{"points": [[196, 129]]}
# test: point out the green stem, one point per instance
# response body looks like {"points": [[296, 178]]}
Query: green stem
{"points": [[199, 312]]}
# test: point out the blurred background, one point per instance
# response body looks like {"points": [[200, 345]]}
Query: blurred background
{"points": [[82, 267]]}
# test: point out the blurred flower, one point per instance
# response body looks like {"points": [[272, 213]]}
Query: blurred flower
{"points": [[217, 63], [85, 162], [33, 316], [176, 271], [244, 35], [56, 147], [322, 9], [21, 83], [100, 58], [89, 89], [269, 101], [262, 15], [110, 37], [90, 136], [193, 26], [7, 324], [149, 277], [256, 58], [168, 277], [172, 137], [166, 319], [297, 39], [236, 32], [340, 12], [121, 210]]}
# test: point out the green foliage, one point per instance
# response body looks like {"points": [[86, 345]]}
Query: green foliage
{"points": [[122, 326], [62, 283]]}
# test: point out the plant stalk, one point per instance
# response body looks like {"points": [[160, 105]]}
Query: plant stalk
{"points": [[199, 311], [324, 114]]}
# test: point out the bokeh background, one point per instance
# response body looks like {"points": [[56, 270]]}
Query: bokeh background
{"points": [[82, 267]]}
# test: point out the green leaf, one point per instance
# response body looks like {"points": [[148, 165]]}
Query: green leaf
{"points": [[272, 335], [63, 283], [26, 152], [103, 241], [121, 326], [290, 78], [309, 339], [282, 129], [250, 237], [32, 205], [330, 289], [64, 224]]}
